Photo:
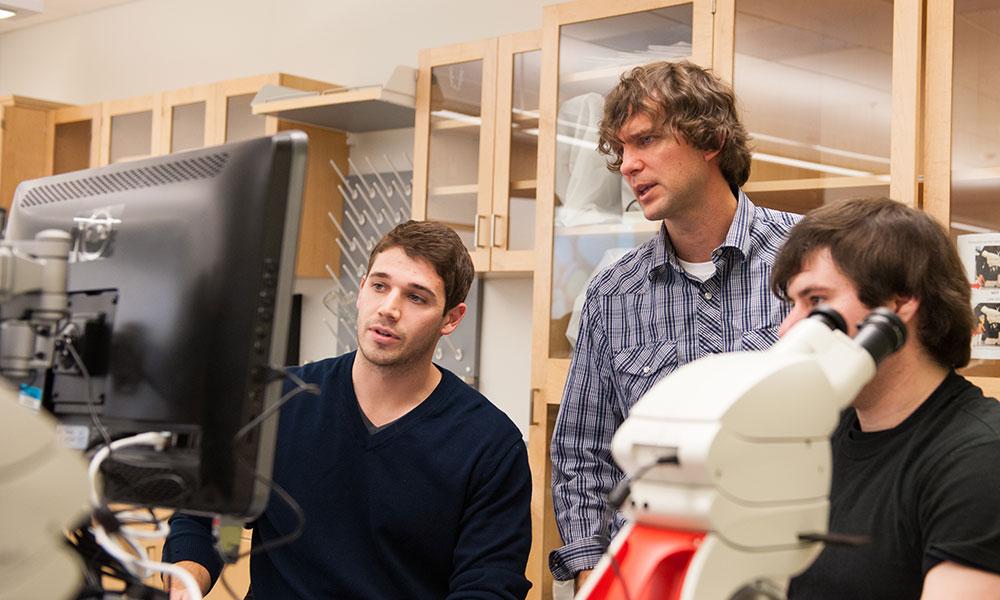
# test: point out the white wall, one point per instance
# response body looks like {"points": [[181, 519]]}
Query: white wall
{"points": [[151, 45], [147, 46]]}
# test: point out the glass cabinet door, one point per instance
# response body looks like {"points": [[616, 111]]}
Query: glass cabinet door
{"points": [[453, 165], [975, 128], [512, 226], [130, 129], [815, 80], [187, 118], [595, 219]]}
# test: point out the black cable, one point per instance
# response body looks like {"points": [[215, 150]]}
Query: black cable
{"points": [[67, 344], [300, 516], [616, 498]]}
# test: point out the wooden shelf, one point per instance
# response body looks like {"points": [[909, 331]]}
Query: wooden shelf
{"points": [[637, 227], [523, 185], [355, 110], [454, 190], [976, 174]]}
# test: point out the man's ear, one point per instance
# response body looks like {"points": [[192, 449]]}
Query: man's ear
{"points": [[452, 318], [711, 154], [906, 307], [361, 286]]}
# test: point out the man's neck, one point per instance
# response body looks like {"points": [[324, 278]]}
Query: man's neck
{"points": [[695, 235], [904, 382], [387, 393]]}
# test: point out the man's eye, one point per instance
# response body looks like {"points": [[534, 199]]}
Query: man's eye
{"points": [[816, 300], [416, 298], [378, 287], [645, 140]]}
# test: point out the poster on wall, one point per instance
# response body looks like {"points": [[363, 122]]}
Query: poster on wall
{"points": [[980, 255]]}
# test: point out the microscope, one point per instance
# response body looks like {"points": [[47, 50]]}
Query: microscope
{"points": [[728, 465]]}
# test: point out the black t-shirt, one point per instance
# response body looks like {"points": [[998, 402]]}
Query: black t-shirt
{"points": [[926, 491]]}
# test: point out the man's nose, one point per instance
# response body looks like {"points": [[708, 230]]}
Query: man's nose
{"points": [[793, 317], [631, 164], [390, 306]]}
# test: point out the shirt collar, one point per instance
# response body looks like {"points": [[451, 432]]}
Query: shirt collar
{"points": [[738, 237]]}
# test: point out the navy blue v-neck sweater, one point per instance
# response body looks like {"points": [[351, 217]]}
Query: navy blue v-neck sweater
{"points": [[434, 505]]}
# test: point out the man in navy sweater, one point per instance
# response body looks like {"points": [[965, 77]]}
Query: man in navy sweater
{"points": [[412, 483]]}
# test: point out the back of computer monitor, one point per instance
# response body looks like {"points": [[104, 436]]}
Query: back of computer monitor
{"points": [[180, 288]]}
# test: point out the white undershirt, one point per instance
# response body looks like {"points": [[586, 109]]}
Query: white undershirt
{"points": [[702, 271]]}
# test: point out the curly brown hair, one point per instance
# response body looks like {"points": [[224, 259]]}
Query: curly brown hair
{"points": [[689, 101]]}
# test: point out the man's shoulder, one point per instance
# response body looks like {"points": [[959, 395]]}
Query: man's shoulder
{"points": [[626, 275], [965, 424], [771, 222], [475, 415], [316, 371]]}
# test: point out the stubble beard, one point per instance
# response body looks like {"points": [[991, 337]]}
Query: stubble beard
{"points": [[401, 359]]}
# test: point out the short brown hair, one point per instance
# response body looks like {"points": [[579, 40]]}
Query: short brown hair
{"points": [[689, 101], [439, 246], [887, 250]]}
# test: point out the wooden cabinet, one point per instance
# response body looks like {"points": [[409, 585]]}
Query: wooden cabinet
{"points": [[54, 138], [476, 135], [26, 131]]}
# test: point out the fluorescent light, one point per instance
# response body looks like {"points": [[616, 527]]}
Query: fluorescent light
{"points": [[813, 166], [973, 228], [824, 149], [6, 14]]}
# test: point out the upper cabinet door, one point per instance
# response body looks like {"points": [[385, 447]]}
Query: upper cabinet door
{"points": [[586, 215], [188, 119], [454, 129], [962, 145], [512, 224], [829, 92], [130, 129]]}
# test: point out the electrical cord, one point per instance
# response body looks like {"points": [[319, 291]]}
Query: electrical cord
{"points": [[300, 518], [68, 345], [106, 523]]}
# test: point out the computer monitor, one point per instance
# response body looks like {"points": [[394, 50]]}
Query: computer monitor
{"points": [[179, 282]]}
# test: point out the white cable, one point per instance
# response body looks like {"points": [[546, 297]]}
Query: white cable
{"points": [[139, 566], [157, 439]]}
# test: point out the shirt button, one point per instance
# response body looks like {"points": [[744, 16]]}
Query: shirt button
{"points": [[645, 370], [708, 295]]}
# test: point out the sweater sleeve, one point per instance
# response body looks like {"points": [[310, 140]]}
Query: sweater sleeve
{"points": [[190, 538], [495, 537]]}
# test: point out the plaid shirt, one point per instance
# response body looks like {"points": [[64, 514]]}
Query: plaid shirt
{"points": [[643, 317]]}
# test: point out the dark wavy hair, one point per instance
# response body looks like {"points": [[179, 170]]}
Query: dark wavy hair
{"points": [[887, 249], [687, 100], [439, 246]]}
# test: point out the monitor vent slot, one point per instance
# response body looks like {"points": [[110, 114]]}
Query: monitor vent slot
{"points": [[202, 167]]}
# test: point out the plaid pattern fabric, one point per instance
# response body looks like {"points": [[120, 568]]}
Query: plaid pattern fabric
{"points": [[643, 317]]}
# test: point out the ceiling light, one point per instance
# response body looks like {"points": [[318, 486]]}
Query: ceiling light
{"points": [[19, 8]]}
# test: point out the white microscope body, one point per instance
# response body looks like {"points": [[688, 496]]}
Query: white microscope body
{"points": [[732, 452]]}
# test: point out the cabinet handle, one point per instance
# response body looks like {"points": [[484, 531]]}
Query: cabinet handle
{"points": [[475, 231], [493, 230]]}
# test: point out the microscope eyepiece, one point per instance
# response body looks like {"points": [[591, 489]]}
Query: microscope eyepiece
{"points": [[881, 333], [829, 317]]}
